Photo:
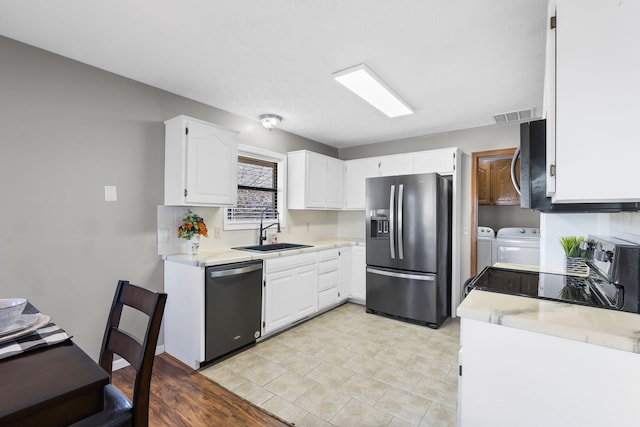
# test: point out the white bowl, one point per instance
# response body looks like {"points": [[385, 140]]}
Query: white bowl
{"points": [[10, 310]]}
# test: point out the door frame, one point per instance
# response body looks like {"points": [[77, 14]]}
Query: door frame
{"points": [[475, 160]]}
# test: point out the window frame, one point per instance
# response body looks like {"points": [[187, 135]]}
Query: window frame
{"points": [[269, 156]]}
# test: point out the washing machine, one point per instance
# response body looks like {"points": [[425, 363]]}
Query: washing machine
{"points": [[484, 247], [517, 245]]}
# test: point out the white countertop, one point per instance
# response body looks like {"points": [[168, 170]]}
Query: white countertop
{"points": [[228, 255], [609, 328]]}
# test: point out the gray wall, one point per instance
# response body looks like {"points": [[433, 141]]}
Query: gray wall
{"points": [[67, 130], [468, 140]]}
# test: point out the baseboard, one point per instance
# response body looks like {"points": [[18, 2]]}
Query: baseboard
{"points": [[122, 363]]}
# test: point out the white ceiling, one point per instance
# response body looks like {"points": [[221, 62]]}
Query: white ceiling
{"points": [[457, 62]]}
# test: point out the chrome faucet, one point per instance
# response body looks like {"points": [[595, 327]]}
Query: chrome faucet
{"points": [[261, 237]]}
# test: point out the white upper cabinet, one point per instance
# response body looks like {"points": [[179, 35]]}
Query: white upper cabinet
{"points": [[441, 161], [314, 181], [597, 93], [200, 163], [356, 173], [395, 165]]}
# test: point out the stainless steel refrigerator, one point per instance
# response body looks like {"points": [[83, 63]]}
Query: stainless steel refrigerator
{"points": [[408, 241]]}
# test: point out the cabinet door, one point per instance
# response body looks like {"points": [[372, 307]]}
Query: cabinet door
{"points": [[440, 161], [358, 273], [396, 165], [280, 300], [334, 183], [344, 268], [305, 292], [484, 182], [502, 190], [315, 180], [211, 175], [597, 92], [356, 172]]}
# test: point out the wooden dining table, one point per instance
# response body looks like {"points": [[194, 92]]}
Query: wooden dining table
{"points": [[51, 386]]}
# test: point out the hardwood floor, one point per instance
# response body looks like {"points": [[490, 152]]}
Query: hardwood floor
{"points": [[182, 397]]}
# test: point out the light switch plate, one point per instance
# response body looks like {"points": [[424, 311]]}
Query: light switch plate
{"points": [[110, 193]]}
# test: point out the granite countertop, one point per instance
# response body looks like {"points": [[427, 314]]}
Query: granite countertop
{"points": [[228, 255], [609, 328]]}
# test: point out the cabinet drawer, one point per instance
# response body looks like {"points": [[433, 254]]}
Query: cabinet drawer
{"points": [[327, 266], [327, 280], [328, 297], [290, 262], [328, 254]]}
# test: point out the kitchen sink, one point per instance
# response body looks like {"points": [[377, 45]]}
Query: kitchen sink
{"points": [[273, 247]]}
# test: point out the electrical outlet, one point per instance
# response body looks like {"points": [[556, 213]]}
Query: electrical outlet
{"points": [[217, 232]]}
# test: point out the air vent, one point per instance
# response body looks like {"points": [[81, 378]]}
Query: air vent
{"points": [[513, 116]]}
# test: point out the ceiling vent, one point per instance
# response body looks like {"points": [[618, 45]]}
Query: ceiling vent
{"points": [[513, 116]]}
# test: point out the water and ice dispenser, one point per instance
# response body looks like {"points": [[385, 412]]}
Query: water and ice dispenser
{"points": [[380, 224]]}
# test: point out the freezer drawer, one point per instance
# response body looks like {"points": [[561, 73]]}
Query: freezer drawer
{"points": [[406, 294]]}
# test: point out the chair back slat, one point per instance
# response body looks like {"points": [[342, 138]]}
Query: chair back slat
{"points": [[126, 346], [139, 354], [141, 299]]}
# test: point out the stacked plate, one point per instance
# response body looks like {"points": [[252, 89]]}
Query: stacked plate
{"points": [[14, 323]]}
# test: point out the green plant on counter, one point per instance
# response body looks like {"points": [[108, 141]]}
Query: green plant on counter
{"points": [[571, 246]]}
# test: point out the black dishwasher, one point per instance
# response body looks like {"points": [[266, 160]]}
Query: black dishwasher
{"points": [[233, 307]]}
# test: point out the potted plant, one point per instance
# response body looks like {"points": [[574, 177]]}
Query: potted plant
{"points": [[574, 254], [192, 228]]}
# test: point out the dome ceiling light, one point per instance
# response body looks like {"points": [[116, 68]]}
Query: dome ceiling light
{"points": [[270, 121]]}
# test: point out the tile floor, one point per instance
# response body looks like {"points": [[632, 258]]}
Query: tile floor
{"points": [[350, 368]]}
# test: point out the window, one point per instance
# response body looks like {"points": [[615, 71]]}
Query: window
{"points": [[260, 189]]}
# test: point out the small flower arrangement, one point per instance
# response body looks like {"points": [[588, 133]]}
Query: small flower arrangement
{"points": [[192, 225]]}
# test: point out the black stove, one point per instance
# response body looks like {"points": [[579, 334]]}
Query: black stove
{"points": [[612, 282], [591, 290]]}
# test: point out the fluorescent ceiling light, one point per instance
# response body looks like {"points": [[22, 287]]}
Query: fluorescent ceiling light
{"points": [[364, 83]]}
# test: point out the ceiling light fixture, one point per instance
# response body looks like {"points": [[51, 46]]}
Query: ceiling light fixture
{"points": [[364, 83], [270, 120]]}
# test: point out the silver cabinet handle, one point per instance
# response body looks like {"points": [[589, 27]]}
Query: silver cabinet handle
{"points": [[400, 202], [391, 219]]}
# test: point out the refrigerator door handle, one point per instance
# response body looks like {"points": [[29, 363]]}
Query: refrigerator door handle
{"points": [[392, 198], [400, 202], [426, 278]]}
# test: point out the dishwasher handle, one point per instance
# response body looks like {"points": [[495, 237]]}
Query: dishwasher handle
{"points": [[235, 271]]}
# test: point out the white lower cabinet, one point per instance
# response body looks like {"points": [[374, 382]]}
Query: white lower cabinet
{"points": [[184, 312], [328, 278], [358, 274], [344, 288], [290, 290], [514, 377]]}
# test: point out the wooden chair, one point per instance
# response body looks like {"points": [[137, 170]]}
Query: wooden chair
{"points": [[118, 410]]}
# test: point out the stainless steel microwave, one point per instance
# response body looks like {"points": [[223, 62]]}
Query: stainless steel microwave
{"points": [[532, 182]]}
